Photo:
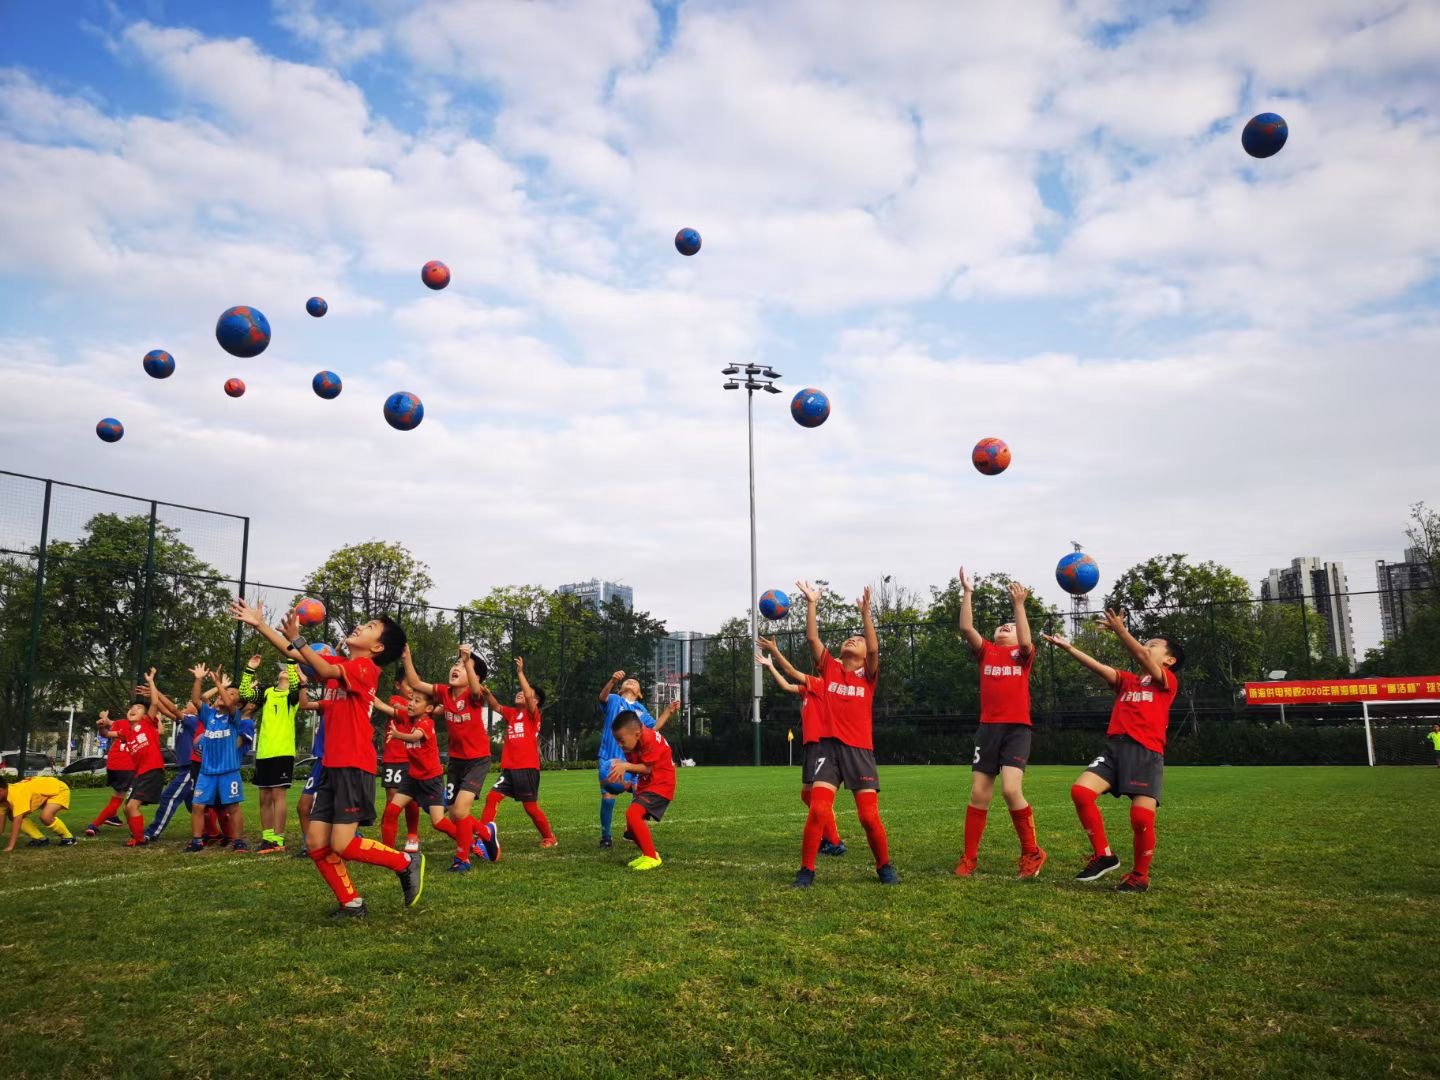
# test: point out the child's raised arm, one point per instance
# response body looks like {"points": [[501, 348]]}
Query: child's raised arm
{"points": [[1018, 593], [812, 620], [872, 639], [532, 703], [610, 686], [972, 636], [782, 662], [1105, 671], [472, 677], [780, 680], [290, 639], [413, 680], [1114, 621]]}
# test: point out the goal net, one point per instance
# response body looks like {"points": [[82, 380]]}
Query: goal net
{"points": [[1398, 733]]}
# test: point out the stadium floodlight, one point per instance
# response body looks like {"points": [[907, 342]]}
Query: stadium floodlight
{"points": [[1277, 675], [757, 377]]}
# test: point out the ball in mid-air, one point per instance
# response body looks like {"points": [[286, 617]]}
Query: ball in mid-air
{"points": [[1264, 135], [326, 384], [324, 650], [435, 274], [235, 387], [991, 456], [110, 430], [1077, 573], [159, 364], [810, 407], [687, 241], [404, 411], [309, 611], [774, 604], [243, 331], [317, 306]]}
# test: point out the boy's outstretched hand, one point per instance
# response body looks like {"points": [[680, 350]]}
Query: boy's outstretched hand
{"points": [[291, 626], [249, 614], [810, 592], [764, 661], [1113, 620], [967, 580], [1060, 641], [767, 644], [864, 602], [199, 671], [1018, 592]]}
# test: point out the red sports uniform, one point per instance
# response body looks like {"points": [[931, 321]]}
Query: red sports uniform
{"points": [[653, 750], [1005, 684], [1142, 708], [144, 746], [424, 755], [814, 720], [849, 702], [349, 737], [522, 738], [464, 722], [397, 752], [118, 758]]}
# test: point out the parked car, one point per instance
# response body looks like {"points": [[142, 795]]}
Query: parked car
{"points": [[35, 764], [85, 766]]}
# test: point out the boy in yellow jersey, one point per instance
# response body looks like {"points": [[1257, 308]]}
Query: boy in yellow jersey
{"points": [[41, 796], [1433, 738], [274, 744]]}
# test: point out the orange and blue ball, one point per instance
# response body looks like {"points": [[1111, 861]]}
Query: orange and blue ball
{"points": [[435, 274], [159, 364], [243, 331], [810, 407], [404, 411], [317, 306], [326, 384], [1077, 573], [110, 430], [774, 604], [990, 456], [235, 387], [687, 241], [310, 611], [1265, 135], [325, 651]]}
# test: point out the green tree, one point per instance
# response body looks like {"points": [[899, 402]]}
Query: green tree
{"points": [[361, 581]]}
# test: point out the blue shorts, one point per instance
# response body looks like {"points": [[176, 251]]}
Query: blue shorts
{"points": [[219, 789], [312, 782]]}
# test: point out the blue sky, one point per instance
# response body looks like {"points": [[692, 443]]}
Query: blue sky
{"points": [[957, 223]]}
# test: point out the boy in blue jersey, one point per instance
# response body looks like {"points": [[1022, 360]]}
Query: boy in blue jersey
{"points": [[221, 754], [182, 785], [628, 699]]}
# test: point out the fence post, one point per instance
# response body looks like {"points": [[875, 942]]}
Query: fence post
{"points": [[33, 651], [244, 569], [146, 596], [1305, 634]]}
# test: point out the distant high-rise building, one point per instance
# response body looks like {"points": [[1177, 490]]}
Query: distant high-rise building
{"points": [[598, 593], [1404, 588], [1323, 587], [677, 656]]}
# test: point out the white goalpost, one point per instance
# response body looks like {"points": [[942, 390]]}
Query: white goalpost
{"points": [[1401, 740]]}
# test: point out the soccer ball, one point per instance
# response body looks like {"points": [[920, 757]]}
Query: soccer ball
{"points": [[1264, 135], [810, 407], [1077, 573], [435, 274], [326, 384], [317, 306], [159, 364], [243, 332], [110, 430], [235, 387], [775, 604], [309, 611], [404, 411], [991, 456], [687, 241], [324, 650]]}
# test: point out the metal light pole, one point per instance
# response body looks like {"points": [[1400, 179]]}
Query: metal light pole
{"points": [[757, 377]]}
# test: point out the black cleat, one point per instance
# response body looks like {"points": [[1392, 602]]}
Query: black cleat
{"points": [[827, 848], [412, 879], [359, 911], [301, 853], [69, 841], [1133, 883], [39, 841], [888, 875], [606, 842], [1097, 867], [629, 836], [803, 879]]}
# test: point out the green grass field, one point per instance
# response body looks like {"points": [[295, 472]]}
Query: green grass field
{"points": [[1293, 930]]}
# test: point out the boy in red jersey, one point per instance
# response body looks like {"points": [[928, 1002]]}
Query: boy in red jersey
{"points": [[346, 798], [814, 726], [1134, 760], [519, 760], [119, 765], [647, 755], [144, 747], [848, 755], [413, 727], [1002, 745], [469, 743], [394, 762]]}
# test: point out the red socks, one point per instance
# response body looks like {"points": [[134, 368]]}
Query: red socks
{"points": [[635, 822], [1142, 822], [1024, 821], [822, 808], [1090, 819], [412, 819], [446, 826], [974, 830], [538, 817], [110, 808], [464, 837], [332, 869], [390, 824], [368, 851], [867, 806], [492, 800], [137, 827]]}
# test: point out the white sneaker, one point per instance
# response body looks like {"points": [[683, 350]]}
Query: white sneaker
{"points": [[412, 846]]}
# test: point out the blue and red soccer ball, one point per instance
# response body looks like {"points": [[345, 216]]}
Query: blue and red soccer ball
{"points": [[404, 411], [810, 407], [243, 332], [159, 364], [310, 611], [325, 651], [1265, 135], [1077, 573], [317, 306], [235, 387], [687, 241], [110, 430], [990, 456], [775, 604], [435, 274], [327, 385]]}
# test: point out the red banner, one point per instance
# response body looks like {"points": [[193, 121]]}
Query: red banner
{"points": [[1322, 691]]}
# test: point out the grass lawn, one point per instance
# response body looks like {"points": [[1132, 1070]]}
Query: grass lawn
{"points": [[1293, 929]]}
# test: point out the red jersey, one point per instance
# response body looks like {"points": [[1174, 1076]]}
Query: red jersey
{"points": [[1005, 684], [1142, 708], [349, 736], [397, 752], [144, 746], [653, 750], [425, 754], [118, 756], [814, 720], [199, 731], [464, 722], [849, 702], [522, 738]]}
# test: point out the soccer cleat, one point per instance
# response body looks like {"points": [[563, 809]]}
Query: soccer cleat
{"points": [[265, 847], [113, 822], [132, 842], [491, 842], [412, 879], [210, 841], [345, 911], [91, 831], [827, 848], [196, 844], [645, 862], [1097, 867], [412, 844], [965, 867], [301, 853], [459, 866], [888, 875], [39, 841], [606, 843], [803, 879], [68, 841], [1030, 864], [628, 835], [1133, 882], [549, 841], [240, 846]]}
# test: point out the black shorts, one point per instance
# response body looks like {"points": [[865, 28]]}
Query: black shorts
{"points": [[425, 793], [147, 786], [655, 805], [522, 785], [1001, 745], [119, 780], [273, 772], [808, 753], [345, 797], [466, 774], [837, 762], [393, 773], [1130, 769]]}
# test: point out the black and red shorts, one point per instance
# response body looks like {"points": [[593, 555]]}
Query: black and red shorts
{"points": [[119, 780], [1000, 746], [655, 805], [345, 797], [839, 763], [1130, 769], [425, 793], [522, 785], [466, 774], [393, 773], [147, 786]]}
